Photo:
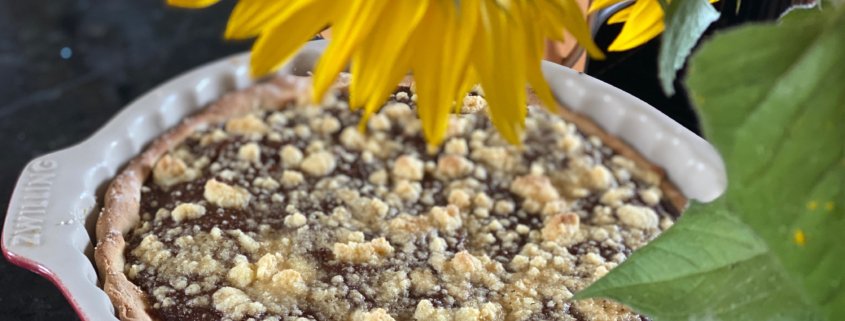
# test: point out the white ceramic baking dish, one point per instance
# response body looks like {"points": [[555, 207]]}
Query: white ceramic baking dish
{"points": [[50, 221]]}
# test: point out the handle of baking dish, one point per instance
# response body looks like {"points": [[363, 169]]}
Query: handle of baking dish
{"points": [[45, 227]]}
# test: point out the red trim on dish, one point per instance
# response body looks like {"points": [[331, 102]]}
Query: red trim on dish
{"points": [[44, 272]]}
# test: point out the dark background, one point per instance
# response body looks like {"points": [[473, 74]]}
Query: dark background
{"points": [[66, 67]]}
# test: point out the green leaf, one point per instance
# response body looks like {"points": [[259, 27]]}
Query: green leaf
{"points": [[770, 99], [686, 21], [783, 140], [709, 266]]}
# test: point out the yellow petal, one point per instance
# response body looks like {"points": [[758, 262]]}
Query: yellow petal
{"points": [[377, 66], [469, 80], [348, 32], [280, 41], [377, 60], [534, 53], [501, 70], [433, 45], [552, 24], [466, 25], [375, 99], [644, 23], [569, 13], [620, 16], [193, 4], [601, 4], [443, 76], [250, 17]]}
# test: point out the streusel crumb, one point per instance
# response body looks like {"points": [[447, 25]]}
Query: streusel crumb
{"points": [[296, 215], [224, 195]]}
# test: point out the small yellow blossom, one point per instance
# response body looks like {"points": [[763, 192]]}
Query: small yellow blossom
{"points": [[799, 237], [812, 205], [643, 21], [829, 206], [448, 45]]}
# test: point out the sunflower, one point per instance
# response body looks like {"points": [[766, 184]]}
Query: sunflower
{"points": [[448, 45], [643, 21]]}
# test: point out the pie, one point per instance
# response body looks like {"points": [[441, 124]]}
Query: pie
{"points": [[261, 207]]}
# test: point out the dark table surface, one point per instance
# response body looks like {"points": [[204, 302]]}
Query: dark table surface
{"points": [[66, 67]]}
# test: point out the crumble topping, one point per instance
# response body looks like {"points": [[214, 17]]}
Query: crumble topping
{"points": [[638, 217], [408, 167], [295, 215], [318, 164], [236, 304], [562, 228], [170, 170], [187, 211], [290, 156], [249, 125], [372, 252], [225, 195], [250, 153]]}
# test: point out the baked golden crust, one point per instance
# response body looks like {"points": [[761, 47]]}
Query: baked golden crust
{"points": [[120, 212], [588, 127], [122, 200]]}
